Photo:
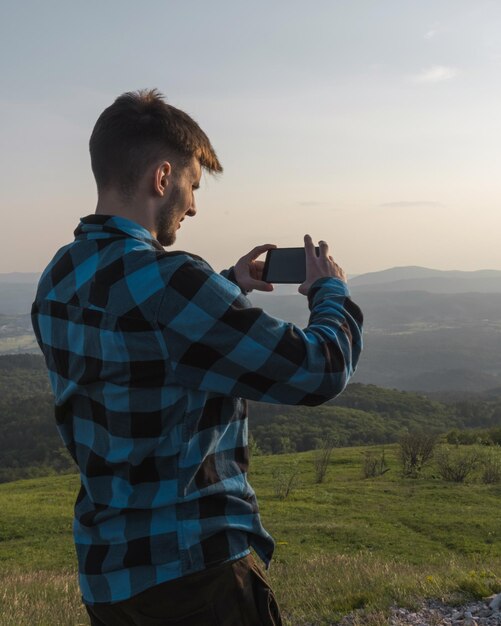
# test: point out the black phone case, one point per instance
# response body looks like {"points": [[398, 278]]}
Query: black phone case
{"points": [[295, 274]]}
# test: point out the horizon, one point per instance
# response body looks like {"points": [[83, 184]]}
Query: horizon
{"points": [[372, 126], [350, 276]]}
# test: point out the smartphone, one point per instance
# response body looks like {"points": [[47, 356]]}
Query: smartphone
{"points": [[286, 265]]}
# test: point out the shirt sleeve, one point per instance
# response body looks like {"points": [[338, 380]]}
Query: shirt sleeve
{"points": [[229, 274], [218, 342]]}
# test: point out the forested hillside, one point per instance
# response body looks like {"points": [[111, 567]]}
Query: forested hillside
{"points": [[363, 414], [29, 442]]}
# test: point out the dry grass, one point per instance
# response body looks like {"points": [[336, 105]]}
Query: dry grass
{"points": [[315, 591], [41, 598], [326, 587]]}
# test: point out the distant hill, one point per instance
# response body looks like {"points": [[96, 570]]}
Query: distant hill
{"points": [[424, 279], [397, 312], [17, 291], [418, 340], [415, 311]]}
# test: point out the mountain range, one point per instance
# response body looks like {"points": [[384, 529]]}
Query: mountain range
{"points": [[425, 279], [425, 330]]}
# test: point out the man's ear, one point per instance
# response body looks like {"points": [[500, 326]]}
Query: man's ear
{"points": [[162, 178]]}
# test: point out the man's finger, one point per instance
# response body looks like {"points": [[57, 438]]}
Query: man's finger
{"points": [[324, 248], [309, 248], [259, 285], [257, 269], [258, 251]]}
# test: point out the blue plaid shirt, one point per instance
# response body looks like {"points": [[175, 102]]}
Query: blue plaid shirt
{"points": [[151, 355]]}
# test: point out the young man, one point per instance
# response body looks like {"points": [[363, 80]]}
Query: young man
{"points": [[151, 356]]}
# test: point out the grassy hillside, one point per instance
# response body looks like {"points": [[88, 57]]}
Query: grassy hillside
{"points": [[349, 543]]}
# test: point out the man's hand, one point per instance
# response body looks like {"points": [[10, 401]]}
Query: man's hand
{"points": [[320, 266], [249, 272]]}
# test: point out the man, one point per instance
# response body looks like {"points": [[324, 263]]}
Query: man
{"points": [[151, 355]]}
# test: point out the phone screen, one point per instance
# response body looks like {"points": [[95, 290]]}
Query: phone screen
{"points": [[285, 265]]}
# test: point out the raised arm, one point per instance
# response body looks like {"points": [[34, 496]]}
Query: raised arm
{"points": [[217, 341]]}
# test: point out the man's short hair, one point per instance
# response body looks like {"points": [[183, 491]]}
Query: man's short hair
{"points": [[138, 129]]}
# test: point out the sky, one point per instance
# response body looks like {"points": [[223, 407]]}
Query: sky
{"points": [[373, 125]]}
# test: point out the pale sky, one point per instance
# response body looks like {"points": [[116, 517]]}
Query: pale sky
{"points": [[373, 125]]}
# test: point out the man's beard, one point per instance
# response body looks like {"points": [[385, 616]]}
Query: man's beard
{"points": [[166, 221]]}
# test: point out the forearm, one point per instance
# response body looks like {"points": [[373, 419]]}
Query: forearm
{"points": [[312, 365], [229, 274]]}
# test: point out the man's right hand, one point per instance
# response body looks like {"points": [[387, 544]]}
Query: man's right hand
{"points": [[321, 266]]}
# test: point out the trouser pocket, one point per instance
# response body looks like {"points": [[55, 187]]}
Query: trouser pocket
{"points": [[266, 603], [267, 607]]}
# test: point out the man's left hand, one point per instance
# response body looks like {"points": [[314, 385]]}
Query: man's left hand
{"points": [[249, 272]]}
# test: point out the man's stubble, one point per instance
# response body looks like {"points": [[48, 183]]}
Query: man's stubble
{"points": [[167, 219]]}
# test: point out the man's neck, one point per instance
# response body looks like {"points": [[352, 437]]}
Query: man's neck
{"points": [[112, 203]]}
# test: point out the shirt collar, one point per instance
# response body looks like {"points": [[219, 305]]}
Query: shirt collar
{"points": [[114, 225]]}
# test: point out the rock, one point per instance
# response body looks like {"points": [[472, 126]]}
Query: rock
{"points": [[468, 619], [495, 603], [435, 613]]}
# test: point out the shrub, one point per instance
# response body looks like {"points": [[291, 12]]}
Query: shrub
{"points": [[416, 450], [491, 468], [457, 464], [321, 460], [285, 481], [495, 435], [374, 465], [254, 449], [471, 436]]}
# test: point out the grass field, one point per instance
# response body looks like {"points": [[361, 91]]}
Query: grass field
{"points": [[347, 544]]}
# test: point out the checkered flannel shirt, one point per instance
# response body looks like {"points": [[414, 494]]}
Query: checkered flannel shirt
{"points": [[151, 355]]}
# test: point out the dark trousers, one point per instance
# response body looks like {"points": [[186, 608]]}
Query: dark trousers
{"points": [[230, 594]]}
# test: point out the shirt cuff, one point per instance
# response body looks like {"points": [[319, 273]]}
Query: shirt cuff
{"points": [[229, 274], [325, 287]]}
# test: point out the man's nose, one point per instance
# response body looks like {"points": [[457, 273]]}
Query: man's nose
{"points": [[192, 210]]}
